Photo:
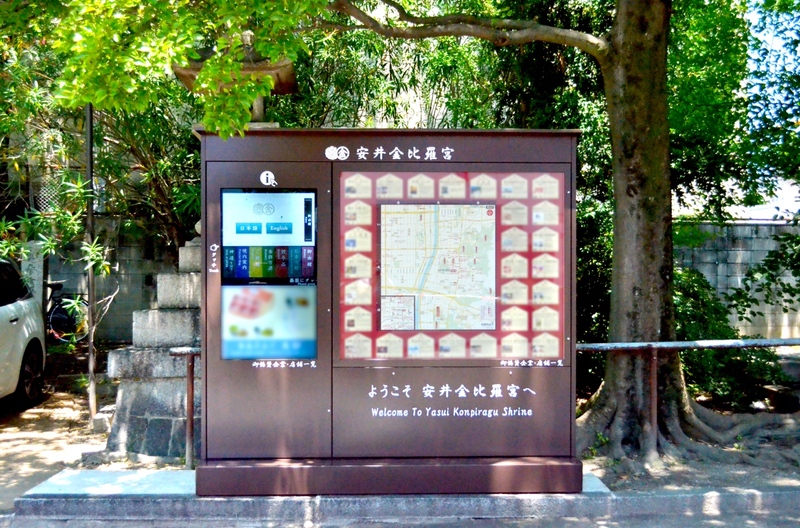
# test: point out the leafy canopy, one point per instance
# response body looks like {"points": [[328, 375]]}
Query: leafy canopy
{"points": [[116, 51]]}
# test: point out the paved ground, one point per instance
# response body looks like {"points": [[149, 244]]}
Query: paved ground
{"points": [[737, 521], [37, 443]]}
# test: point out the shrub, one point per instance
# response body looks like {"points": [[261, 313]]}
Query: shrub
{"points": [[732, 377]]}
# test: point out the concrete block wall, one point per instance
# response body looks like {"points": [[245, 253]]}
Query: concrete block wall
{"points": [[135, 268], [725, 258]]}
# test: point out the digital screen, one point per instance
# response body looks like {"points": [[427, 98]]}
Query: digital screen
{"points": [[269, 274], [268, 235]]}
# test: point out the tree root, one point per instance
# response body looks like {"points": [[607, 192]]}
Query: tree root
{"points": [[725, 429], [682, 440], [595, 420], [670, 450], [618, 421], [688, 429], [722, 430]]}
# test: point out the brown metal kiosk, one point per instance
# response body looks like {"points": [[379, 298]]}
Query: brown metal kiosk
{"points": [[388, 311]]}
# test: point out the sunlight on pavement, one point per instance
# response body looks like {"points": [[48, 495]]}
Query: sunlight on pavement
{"points": [[40, 442]]}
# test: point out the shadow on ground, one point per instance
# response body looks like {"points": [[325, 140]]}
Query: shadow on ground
{"points": [[40, 441]]}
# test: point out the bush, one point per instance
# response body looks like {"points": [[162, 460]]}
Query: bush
{"points": [[732, 377]]}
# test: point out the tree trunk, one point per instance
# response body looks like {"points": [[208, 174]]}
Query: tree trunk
{"points": [[641, 296], [633, 59]]}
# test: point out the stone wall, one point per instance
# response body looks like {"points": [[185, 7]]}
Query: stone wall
{"points": [[151, 405], [725, 257]]}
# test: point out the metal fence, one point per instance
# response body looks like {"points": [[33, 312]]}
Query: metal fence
{"points": [[654, 346]]}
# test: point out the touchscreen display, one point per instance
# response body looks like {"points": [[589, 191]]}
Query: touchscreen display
{"points": [[269, 292]]}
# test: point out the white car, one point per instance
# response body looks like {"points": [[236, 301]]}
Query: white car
{"points": [[22, 352]]}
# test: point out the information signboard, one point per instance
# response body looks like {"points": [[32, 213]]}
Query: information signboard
{"points": [[388, 312]]}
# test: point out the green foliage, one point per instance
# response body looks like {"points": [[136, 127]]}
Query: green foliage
{"points": [[61, 349], [148, 164], [361, 79], [772, 281], [595, 225], [186, 199], [347, 80], [699, 312], [688, 234], [53, 229], [733, 377], [94, 255], [79, 385], [773, 138], [456, 90], [708, 64], [600, 441], [117, 51]]}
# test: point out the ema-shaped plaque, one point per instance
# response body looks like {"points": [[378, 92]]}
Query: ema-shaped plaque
{"points": [[420, 346], [358, 347], [421, 186], [514, 346], [389, 186], [452, 187], [452, 346], [389, 346], [482, 187], [544, 187], [357, 186], [483, 346], [357, 213]]}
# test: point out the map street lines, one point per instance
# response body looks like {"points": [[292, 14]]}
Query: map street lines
{"points": [[438, 267]]}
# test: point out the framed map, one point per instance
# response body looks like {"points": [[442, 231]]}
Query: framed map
{"points": [[437, 267], [451, 265]]}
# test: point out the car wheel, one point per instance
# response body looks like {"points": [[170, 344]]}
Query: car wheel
{"points": [[31, 377]]}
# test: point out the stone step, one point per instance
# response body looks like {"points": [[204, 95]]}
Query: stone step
{"points": [[146, 363], [167, 498], [166, 328], [150, 418], [189, 257], [178, 290]]}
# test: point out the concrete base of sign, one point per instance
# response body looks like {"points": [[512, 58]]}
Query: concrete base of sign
{"points": [[167, 499], [162, 498], [389, 476]]}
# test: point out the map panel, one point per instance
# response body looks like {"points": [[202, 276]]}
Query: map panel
{"points": [[443, 256], [428, 258]]}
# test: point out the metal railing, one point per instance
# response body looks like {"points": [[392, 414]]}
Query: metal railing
{"points": [[190, 354], [654, 346], [688, 345]]}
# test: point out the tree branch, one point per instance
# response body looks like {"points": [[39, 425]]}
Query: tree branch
{"points": [[500, 32], [496, 23]]}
